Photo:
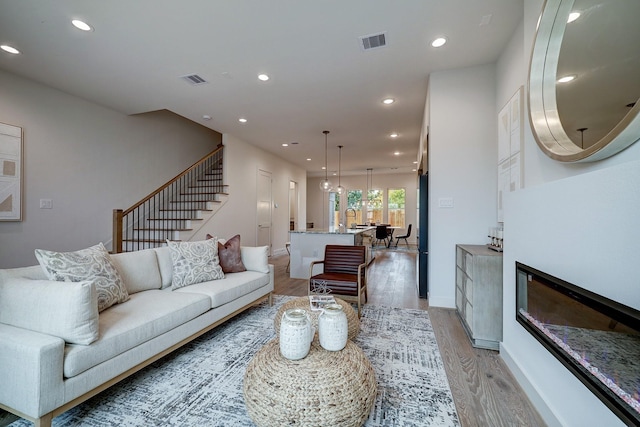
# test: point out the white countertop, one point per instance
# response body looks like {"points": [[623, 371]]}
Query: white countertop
{"points": [[335, 230]]}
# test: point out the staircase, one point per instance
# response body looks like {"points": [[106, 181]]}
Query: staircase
{"points": [[175, 211]]}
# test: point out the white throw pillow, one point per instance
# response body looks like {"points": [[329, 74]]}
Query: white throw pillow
{"points": [[194, 262], [65, 310], [255, 258], [93, 264]]}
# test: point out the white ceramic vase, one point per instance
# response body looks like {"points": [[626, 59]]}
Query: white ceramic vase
{"points": [[296, 334], [333, 329]]}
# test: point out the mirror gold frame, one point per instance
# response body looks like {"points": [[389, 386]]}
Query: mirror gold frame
{"points": [[543, 108]]}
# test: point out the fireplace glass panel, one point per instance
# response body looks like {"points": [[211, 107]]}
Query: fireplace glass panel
{"points": [[596, 338]]}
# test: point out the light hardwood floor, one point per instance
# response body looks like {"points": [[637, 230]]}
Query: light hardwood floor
{"points": [[484, 390]]}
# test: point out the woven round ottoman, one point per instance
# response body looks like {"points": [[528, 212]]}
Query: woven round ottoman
{"points": [[303, 302], [326, 388]]}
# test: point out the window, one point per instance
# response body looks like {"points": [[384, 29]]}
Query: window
{"points": [[374, 207], [395, 207], [354, 205], [336, 209]]}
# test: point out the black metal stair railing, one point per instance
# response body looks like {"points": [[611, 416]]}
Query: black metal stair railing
{"points": [[172, 208]]}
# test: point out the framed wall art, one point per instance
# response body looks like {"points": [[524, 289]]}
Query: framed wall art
{"points": [[510, 140], [10, 172]]}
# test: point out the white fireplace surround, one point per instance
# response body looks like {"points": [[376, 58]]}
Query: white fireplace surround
{"points": [[584, 229]]}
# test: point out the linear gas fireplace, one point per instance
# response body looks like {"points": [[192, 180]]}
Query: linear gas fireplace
{"points": [[594, 337]]}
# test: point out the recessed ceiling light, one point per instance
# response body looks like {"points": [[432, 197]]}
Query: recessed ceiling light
{"points": [[394, 135], [396, 153], [284, 144], [335, 174], [573, 16], [206, 117], [567, 79], [388, 101], [263, 77], [9, 49], [415, 163], [308, 160], [242, 120], [81, 25], [413, 170], [439, 42], [323, 168]]}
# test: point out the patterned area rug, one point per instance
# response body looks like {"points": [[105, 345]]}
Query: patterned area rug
{"points": [[201, 383]]}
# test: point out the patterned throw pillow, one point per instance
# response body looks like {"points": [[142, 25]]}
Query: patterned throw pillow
{"points": [[194, 262], [229, 255], [93, 264]]}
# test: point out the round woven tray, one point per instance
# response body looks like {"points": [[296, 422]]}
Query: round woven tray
{"points": [[326, 388], [303, 302]]}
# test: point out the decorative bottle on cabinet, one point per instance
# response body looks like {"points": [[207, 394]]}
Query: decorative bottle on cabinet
{"points": [[479, 294]]}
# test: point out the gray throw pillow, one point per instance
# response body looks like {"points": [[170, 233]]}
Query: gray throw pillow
{"points": [[194, 262], [90, 264]]}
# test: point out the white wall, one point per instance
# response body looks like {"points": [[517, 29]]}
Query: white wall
{"points": [[462, 165], [317, 201], [90, 160], [575, 221], [239, 214]]}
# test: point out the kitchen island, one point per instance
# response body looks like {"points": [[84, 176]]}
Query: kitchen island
{"points": [[308, 246]]}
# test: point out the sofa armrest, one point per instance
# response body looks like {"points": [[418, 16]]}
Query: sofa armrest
{"points": [[30, 370]]}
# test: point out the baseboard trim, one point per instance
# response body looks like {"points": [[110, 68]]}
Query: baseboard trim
{"points": [[529, 389]]}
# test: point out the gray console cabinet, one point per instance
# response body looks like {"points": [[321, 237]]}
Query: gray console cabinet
{"points": [[479, 294]]}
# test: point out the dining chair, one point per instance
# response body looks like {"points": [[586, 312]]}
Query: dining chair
{"points": [[405, 237], [381, 234]]}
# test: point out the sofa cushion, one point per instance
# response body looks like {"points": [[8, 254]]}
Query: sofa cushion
{"points": [[65, 310], [139, 270], [194, 262], [92, 263], [122, 327], [233, 286], [166, 265], [255, 258], [33, 272], [230, 255]]}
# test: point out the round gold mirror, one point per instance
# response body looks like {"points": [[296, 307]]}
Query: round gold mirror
{"points": [[584, 79]]}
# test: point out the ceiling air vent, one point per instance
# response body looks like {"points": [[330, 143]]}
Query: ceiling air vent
{"points": [[373, 41], [194, 79]]}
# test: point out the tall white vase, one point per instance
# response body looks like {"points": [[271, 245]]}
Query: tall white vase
{"points": [[333, 328], [296, 334]]}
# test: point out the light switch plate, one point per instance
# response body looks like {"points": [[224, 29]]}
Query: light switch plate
{"points": [[46, 204], [445, 202]]}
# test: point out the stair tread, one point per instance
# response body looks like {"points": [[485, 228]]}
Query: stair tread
{"points": [[174, 219], [195, 201], [162, 229]]}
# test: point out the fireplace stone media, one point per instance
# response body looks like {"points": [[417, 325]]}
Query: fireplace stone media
{"points": [[596, 338]]}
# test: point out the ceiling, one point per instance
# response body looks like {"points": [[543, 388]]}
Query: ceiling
{"points": [[321, 78]]}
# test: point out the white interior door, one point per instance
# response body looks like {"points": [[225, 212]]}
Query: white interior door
{"points": [[293, 205], [264, 209]]}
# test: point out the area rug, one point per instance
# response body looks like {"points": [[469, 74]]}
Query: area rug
{"points": [[201, 383]]}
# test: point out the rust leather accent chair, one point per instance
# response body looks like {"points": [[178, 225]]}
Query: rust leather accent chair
{"points": [[344, 273]]}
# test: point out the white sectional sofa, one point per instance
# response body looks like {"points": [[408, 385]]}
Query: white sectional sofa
{"points": [[43, 375]]}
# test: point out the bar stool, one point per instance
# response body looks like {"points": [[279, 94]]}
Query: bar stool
{"points": [[288, 248]]}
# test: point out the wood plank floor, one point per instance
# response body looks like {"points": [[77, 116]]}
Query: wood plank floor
{"points": [[483, 388]]}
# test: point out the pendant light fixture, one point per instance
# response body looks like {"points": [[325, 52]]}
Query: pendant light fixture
{"points": [[365, 196], [340, 189], [325, 185]]}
